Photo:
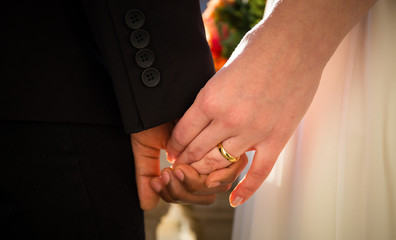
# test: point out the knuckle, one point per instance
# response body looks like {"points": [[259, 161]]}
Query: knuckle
{"points": [[231, 122], [213, 164], [207, 107], [178, 137], [249, 190], [259, 174], [197, 149], [192, 154], [256, 177], [234, 121], [206, 103]]}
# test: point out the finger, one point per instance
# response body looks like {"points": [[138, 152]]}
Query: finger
{"points": [[194, 182], [187, 128], [214, 160], [211, 162], [202, 144], [181, 195], [227, 176], [260, 169], [159, 186]]}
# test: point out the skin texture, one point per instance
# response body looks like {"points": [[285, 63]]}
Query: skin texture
{"points": [[257, 99], [146, 147], [182, 184]]}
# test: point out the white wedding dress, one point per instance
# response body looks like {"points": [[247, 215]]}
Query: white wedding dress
{"points": [[336, 178]]}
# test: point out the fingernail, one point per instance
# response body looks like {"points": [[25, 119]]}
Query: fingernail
{"points": [[214, 184], [170, 157], [236, 202], [179, 174], [156, 186], [165, 177]]}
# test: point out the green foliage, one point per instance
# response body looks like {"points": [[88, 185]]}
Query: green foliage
{"points": [[238, 18]]}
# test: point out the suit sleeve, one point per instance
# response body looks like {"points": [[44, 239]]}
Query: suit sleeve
{"points": [[156, 53]]}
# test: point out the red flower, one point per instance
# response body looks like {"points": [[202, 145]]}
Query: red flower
{"points": [[213, 36], [215, 47]]}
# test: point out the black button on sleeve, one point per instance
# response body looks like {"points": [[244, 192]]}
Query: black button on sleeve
{"points": [[144, 58], [151, 77], [134, 19], [140, 38]]}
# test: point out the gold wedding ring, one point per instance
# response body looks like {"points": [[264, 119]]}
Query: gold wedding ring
{"points": [[226, 155]]}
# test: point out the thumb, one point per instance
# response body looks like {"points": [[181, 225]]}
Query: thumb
{"points": [[260, 169]]}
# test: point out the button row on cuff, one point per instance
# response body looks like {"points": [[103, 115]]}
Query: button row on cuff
{"points": [[140, 39], [151, 77], [144, 58], [134, 19]]}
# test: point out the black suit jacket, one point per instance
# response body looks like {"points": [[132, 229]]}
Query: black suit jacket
{"points": [[87, 61], [76, 61]]}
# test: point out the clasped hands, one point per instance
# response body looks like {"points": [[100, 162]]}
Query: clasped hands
{"points": [[260, 115], [184, 183], [254, 102]]}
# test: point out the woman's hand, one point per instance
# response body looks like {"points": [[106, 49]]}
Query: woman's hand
{"points": [[257, 99], [253, 103], [182, 184]]}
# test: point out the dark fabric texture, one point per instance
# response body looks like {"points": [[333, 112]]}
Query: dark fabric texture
{"points": [[70, 86], [72, 61], [67, 181]]}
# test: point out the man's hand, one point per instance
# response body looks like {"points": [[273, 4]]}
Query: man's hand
{"points": [[183, 184], [146, 147]]}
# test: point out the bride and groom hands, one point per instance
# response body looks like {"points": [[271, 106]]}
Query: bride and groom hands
{"points": [[257, 99], [181, 184], [254, 102]]}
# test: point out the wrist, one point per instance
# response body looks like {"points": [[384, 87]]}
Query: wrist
{"points": [[312, 29]]}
